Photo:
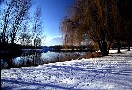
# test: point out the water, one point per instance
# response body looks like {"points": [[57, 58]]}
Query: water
{"points": [[36, 58]]}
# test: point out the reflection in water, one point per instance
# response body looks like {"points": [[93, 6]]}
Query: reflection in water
{"points": [[27, 60], [37, 58]]}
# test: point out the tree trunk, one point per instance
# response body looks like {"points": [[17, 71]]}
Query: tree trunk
{"points": [[13, 36], [109, 45], [100, 46], [128, 43], [12, 40], [118, 45], [103, 48]]}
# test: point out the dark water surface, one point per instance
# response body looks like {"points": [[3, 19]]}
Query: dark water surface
{"points": [[35, 58]]}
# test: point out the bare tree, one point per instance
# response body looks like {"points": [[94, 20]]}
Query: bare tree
{"points": [[25, 37], [37, 27], [5, 19], [22, 8], [13, 15]]}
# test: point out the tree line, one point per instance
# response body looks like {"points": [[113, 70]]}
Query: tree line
{"points": [[105, 22], [18, 24]]}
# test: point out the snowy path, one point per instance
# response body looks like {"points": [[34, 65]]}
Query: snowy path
{"points": [[113, 72]]}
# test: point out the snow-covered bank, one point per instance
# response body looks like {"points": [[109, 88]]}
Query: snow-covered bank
{"points": [[113, 72]]}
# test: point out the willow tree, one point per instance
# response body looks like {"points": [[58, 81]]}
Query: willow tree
{"points": [[71, 28], [97, 19], [68, 31]]}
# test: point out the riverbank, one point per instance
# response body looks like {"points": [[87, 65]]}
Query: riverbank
{"points": [[109, 72]]}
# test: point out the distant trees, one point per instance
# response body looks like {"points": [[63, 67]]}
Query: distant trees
{"points": [[99, 20]]}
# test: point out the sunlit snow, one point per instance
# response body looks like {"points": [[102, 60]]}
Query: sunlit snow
{"points": [[113, 72]]}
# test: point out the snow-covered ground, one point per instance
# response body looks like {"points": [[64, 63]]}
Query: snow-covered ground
{"points": [[113, 72]]}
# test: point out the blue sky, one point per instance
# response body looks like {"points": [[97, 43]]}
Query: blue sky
{"points": [[53, 12]]}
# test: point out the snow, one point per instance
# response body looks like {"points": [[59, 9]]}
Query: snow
{"points": [[115, 51], [113, 72]]}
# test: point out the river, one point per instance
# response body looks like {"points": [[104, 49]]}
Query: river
{"points": [[35, 58]]}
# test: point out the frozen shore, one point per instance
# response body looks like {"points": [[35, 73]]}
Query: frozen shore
{"points": [[113, 72]]}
